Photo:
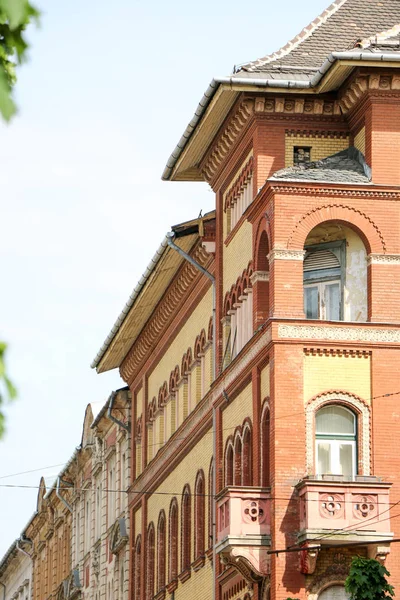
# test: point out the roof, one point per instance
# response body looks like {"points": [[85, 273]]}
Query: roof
{"points": [[347, 166], [147, 293], [319, 59], [340, 27]]}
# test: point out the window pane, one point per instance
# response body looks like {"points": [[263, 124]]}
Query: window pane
{"points": [[332, 301], [335, 420], [324, 452], [346, 459], [311, 302]]}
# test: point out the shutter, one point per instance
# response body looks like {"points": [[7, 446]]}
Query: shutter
{"points": [[320, 259]]}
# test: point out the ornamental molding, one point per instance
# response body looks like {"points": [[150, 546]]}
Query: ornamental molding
{"points": [[306, 190], [365, 83], [227, 139], [316, 134], [241, 181], [285, 254], [337, 397], [119, 535], [297, 106], [189, 428], [162, 316], [383, 259], [345, 334], [259, 276]]}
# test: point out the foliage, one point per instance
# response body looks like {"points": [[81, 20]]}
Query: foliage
{"points": [[7, 389], [15, 15], [367, 580]]}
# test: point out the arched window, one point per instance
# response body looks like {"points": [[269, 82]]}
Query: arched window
{"points": [[137, 567], [265, 448], [161, 552], [336, 441], [237, 476], [173, 541], [199, 516], [247, 478], [185, 529], [150, 562], [229, 462], [334, 592], [211, 504], [323, 281]]}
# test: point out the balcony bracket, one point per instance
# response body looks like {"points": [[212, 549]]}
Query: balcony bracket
{"points": [[379, 552], [308, 559], [252, 563]]}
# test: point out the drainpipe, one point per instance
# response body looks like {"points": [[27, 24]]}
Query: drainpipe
{"points": [[170, 237], [26, 541], [58, 493], [110, 416]]}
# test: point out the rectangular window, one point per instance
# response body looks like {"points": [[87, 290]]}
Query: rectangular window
{"points": [[336, 457], [324, 278], [301, 154], [322, 301], [111, 492], [98, 500]]}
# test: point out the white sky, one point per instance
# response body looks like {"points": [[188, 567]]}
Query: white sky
{"points": [[106, 95]]}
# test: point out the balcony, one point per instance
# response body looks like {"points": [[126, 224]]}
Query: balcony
{"points": [[333, 511], [243, 530]]}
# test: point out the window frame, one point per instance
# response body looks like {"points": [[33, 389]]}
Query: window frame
{"points": [[327, 276], [335, 439]]}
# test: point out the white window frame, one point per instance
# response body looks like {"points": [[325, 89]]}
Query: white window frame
{"points": [[322, 305], [335, 440]]}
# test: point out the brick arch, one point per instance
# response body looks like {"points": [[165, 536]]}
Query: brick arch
{"points": [[352, 402], [357, 220], [261, 250]]}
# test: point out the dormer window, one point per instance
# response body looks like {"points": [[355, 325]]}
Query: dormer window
{"points": [[301, 154], [323, 281]]}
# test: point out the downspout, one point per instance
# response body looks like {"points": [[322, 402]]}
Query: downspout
{"points": [[170, 237], [110, 416], [26, 541], [58, 493]]}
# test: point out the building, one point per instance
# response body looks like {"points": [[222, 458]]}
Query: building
{"points": [[16, 572], [265, 388]]}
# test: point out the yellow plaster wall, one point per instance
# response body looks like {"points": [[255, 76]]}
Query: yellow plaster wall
{"points": [[184, 339], [359, 140], [265, 383], [185, 473], [236, 412], [343, 373], [320, 147], [237, 255]]}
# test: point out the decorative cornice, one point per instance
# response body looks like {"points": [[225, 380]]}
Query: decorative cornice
{"points": [[362, 84], [259, 276], [297, 106], [345, 334], [285, 254], [307, 190], [161, 317], [241, 180], [312, 133], [383, 259], [227, 139]]}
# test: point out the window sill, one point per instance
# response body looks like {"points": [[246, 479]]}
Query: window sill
{"points": [[185, 575], [198, 563]]}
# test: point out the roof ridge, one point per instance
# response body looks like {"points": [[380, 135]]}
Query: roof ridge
{"points": [[305, 33]]}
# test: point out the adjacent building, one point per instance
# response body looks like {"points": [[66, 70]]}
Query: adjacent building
{"points": [[261, 346], [16, 572]]}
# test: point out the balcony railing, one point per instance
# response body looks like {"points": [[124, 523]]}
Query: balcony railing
{"points": [[334, 510], [243, 530]]}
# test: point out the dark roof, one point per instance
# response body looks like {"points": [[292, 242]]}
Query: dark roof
{"points": [[340, 27], [347, 166]]}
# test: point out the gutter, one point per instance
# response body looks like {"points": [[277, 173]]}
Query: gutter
{"points": [[139, 286], [266, 83], [111, 417], [58, 493], [26, 540]]}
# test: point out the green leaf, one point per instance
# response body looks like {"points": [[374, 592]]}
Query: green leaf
{"points": [[16, 10]]}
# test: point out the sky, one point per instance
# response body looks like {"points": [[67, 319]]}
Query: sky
{"points": [[105, 96]]}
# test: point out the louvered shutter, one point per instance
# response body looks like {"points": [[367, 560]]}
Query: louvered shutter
{"points": [[320, 259]]}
